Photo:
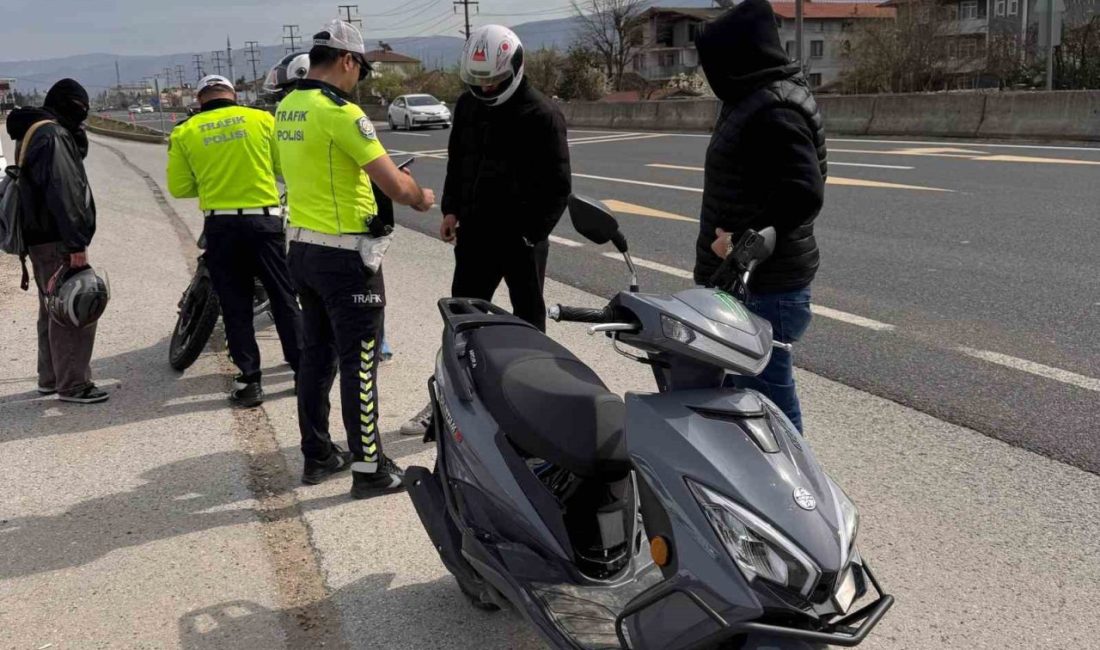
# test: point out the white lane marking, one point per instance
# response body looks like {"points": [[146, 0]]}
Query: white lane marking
{"points": [[655, 266], [415, 135], [565, 242], [845, 164], [604, 140], [919, 142], [968, 143], [1031, 367], [628, 134], [851, 319], [647, 184]]}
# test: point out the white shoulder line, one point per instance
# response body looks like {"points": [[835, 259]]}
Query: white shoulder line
{"points": [[1023, 365]]}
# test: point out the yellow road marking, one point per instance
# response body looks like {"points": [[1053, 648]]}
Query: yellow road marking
{"points": [[859, 182], [642, 211], [833, 180], [966, 154]]}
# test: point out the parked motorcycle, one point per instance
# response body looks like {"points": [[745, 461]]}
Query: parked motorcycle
{"points": [[693, 517]]}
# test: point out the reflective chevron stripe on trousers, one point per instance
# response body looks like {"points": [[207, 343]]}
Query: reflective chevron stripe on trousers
{"points": [[342, 314]]}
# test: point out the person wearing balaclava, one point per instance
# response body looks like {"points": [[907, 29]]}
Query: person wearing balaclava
{"points": [[765, 166], [59, 223]]}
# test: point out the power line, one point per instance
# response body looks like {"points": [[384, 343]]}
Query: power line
{"points": [[405, 10], [179, 73], [198, 67], [466, 9], [217, 54], [291, 33]]}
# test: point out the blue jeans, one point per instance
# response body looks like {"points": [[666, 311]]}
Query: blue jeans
{"points": [[789, 314]]}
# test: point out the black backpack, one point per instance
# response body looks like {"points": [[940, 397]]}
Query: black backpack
{"points": [[11, 206]]}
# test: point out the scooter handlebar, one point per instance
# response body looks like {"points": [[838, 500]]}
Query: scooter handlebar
{"points": [[565, 313]]}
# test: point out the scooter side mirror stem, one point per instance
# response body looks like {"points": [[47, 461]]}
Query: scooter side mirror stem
{"points": [[633, 272]]}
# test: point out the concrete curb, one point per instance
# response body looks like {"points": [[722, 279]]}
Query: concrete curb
{"points": [[124, 135]]}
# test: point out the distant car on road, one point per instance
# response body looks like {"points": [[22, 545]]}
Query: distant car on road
{"points": [[413, 111], [134, 108], [146, 109]]}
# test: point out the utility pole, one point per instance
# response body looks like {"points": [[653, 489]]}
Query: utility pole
{"points": [[179, 74], [160, 103], [798, 15], [217, 54], [358, 23], [347, 14], [466, 8], [198, 67], [229, 58], [1050, 44], [290, 33], [253, 58]]}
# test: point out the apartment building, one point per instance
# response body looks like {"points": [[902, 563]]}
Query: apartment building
{"points": [[668, 37]]}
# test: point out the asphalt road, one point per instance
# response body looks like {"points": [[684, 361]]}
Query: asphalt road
{"points": [[165, 519], [959, 278]]}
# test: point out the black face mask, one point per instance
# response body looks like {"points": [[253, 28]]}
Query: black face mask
{"points": [[68, 100]]}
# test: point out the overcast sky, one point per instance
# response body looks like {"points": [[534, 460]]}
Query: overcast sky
{"points": [[39, 29]]}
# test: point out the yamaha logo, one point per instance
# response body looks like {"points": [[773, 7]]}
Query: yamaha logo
{"points": [[804, 499]]}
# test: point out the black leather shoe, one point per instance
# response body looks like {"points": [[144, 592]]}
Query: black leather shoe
{"points": [[316, 471], [247, 395], [388, 479]]}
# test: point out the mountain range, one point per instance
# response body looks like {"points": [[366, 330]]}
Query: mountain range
{"points": [[97, 71]]}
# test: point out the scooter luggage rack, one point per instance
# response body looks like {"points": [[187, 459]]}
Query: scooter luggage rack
{"points": [[459, 315], [841, 633]]}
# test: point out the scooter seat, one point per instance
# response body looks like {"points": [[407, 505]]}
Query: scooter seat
{"points": [[547, 402]]}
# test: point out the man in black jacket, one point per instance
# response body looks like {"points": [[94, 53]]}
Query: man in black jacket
{"points": [[765, 166], [508, 180], [59, 225]]}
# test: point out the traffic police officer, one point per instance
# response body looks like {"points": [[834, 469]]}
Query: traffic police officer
{"points": [[226, 156], [330, 153]]}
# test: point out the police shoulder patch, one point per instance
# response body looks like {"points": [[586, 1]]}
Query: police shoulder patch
{"points": [[366, 128]]}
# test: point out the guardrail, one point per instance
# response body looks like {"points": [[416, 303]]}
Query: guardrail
{"points": [[1060, 115]]}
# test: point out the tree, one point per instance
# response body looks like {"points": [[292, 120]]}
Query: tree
{"points": [[544, 70], [612, 29], [1077, 61], [581, 79]]}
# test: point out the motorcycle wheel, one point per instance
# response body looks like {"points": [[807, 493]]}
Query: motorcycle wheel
{"points": [[197, 316]]}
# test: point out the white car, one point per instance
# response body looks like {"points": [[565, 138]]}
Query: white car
{"points": [[414, 111], [136, 108], [146, 109]]}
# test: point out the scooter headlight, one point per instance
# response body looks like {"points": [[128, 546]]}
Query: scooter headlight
{"points": [[758, 549]]}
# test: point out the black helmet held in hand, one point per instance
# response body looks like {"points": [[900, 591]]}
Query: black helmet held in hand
{"points": [[78, 297]]}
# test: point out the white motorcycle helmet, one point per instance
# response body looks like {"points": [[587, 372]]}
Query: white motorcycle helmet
{"points": [[284, 74], [493, 56]]}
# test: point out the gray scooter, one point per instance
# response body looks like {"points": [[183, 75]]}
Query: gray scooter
{"points": [[692, 517]]}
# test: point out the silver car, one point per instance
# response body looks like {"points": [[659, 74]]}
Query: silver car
{"points": [[414, 111]]}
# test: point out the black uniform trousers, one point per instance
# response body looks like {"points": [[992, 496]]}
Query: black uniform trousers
{"points": [[240, 249], [481, 262], [342, 310]]}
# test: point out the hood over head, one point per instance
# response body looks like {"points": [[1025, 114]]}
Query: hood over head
{"points": [[68, 100], [740, 51]]}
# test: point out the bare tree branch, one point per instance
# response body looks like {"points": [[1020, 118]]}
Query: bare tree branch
{"points": [[611, 28]]}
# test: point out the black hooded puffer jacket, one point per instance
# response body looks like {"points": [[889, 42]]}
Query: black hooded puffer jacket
{"points": [[765, 165], [59, 205]]}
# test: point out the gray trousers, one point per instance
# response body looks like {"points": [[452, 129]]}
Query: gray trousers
{"points": [[64, 353]]}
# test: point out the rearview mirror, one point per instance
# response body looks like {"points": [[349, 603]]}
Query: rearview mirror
{"points": [[595, 222]]}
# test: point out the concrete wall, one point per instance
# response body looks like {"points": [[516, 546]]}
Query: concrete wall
{"points": [[666, 115], [1062, 115]]}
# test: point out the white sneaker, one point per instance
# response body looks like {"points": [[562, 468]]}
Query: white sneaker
{"points": [[419, 423]]}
